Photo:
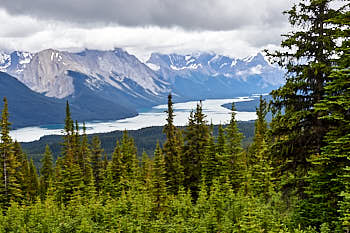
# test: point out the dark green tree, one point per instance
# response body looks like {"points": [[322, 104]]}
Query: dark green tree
{"points": [[33, 189], [210, 163], [159, 179], [298, 129], [329, 179], [10, 188], [196, 142], [172, 150], [233, 161], [46, 171], [96, 161], [259, 157], [84, 156]]}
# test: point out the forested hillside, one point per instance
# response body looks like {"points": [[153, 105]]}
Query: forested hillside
{"points": [[293, 177], [145, 140]]}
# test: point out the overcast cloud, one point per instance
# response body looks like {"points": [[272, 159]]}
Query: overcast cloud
{"points": [[231, 27]]}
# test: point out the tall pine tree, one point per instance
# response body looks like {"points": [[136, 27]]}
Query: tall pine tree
{"points": [[298, 129], [172, 150]]}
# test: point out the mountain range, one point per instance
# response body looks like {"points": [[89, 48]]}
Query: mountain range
{"points": [[106, 85], [208, 75]]}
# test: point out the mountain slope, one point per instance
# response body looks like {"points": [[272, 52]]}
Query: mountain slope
{"points": [[28, 108], [47, 72]]}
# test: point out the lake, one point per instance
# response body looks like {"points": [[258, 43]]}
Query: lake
{"points": [[152, 117]]}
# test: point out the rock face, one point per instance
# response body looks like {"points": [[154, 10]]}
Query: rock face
{"points": [[47, 72]]}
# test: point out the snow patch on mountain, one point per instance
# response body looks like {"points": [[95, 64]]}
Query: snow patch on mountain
{"points": [[191, 67], [153, 66], [5, 61]]}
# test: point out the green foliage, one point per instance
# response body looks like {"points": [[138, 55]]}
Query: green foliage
{"points": [[159, 179], [96, 161], [298, 129], [46, 171], [196, 140], [172, 150]]}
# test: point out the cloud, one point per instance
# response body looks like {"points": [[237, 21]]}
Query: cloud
{"points": [[212, 15], [140, 41], [233, 28]]}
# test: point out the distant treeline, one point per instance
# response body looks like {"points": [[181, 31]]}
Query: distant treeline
{"points": [[145, 140]]}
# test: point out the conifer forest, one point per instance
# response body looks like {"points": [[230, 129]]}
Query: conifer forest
{"points": [[293, 177]]}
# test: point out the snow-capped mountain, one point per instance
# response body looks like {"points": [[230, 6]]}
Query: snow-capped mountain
{"points": [[46, 72], [99, 85], [170, 66], [215, 76]]}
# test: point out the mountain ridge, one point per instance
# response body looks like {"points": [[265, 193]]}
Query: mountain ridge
{"points": [[96, 81]]}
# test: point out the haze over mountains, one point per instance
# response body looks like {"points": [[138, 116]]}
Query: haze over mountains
{"points": [[106, 85]]}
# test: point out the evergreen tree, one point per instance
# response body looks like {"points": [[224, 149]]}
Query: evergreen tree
{"points": [[68, 138], [84, 158], [259, 160], [172, 150], [329, 178], [234, 161], [23, 166], [33, 188], [221, 141], [146, 171], [159, 179], [196, 142], [46, 171], [96, 161], [69, 179], [10, 188], [210, 163], [260, 129], [115, 177], [298, 129], [129, 159]]}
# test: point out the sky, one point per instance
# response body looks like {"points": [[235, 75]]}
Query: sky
{"points": [[229, 27]]}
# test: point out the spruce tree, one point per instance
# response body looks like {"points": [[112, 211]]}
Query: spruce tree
{"points": [[329, 179], [298, 129], [129, 159], [196, 142], [96, 161], [46, 171], [69, 178], [33, 188], [221, 140], [234, 160], [68, 138], [259, 157], [84, 158], [210, 165], [159, 179], [172, 150], [146, 171], [10, 188], [23, 166]]}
